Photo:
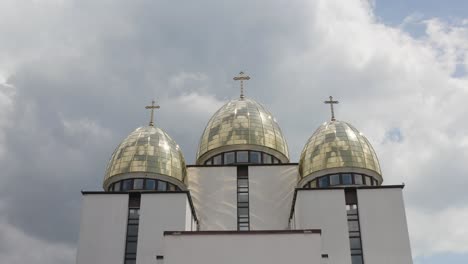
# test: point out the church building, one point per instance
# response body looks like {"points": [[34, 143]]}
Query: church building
{"points": [[244, 200]]}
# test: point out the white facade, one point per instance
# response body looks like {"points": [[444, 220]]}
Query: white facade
{"points": [[249, 248], [160, 212], [277, 210], [103, 228], [104, 225], [385, 236], [325, 209], [382, 223]]}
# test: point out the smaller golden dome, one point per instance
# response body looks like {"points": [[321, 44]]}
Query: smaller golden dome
{"points": [[242, 124], [148, 152], [337, 146]]}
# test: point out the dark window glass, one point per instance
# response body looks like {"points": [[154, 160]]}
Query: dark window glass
{"points": [[255, 157], [217, 160], [117, 187], [353, 226], [209, 162], [267, 158], [242, 182], [243, 228], [355, 242], [352, 217], [171, 187], [243, 220], [243, 197], [130, 261], [132, 230], [133, 213], [239, 204], [323, 182], [150, 184], [356, 252], [275, 160], [356, 259], [127, 185], [244, 189], [335, 179], [243, 212], [313, 184], [374, 182], [242, 156], [162, 186], [347, 179], [368, 180], [229, 158], [138, 184], [358, 179], [131, 247], [351, 209]]}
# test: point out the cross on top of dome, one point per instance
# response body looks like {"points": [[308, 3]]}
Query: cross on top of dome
{"points": [[152, 107], [241, 77], [331, 103]]}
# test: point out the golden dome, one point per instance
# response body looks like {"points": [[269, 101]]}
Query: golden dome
{"points": [[148, 152], [337, 146], [242, 124]]}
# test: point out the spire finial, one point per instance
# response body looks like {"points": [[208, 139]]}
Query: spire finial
{"points": [[242, 77], [331, 102], [152, 107]]}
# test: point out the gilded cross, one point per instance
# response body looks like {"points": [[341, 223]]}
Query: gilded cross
{"points": [[331, 102], [242, 77], [152, 107]]}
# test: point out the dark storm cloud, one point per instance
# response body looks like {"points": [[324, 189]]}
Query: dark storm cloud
{"points": [[110, 59]]}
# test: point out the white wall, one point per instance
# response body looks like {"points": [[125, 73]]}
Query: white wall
{"points": [[384, 231], [160, 212], [326, 210], [214, 195], [102, 229], [242, 248], [271, 189]]}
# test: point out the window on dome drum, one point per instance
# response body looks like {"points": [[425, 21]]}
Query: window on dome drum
{"points": [[368, 180], [229, 157], [255, 157], [243, 217], [143, 185], [358, 179], [341, 179], [347, 179], [323, 182], [150, 184], [138, 184], [334, 179], [267, 158], [117, 186], [241, 157], [217, 160]]}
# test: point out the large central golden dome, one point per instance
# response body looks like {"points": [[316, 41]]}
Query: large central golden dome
{"points": [[242, 124]]}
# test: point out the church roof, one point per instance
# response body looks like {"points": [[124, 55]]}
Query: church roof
{"points": [[337, 144], [147, 150], [242, 124]]}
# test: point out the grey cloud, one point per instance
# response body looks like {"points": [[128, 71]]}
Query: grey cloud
{"points": [[83, 75]]}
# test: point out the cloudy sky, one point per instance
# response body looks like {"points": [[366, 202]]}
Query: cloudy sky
{"points": [[75, 76]]}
